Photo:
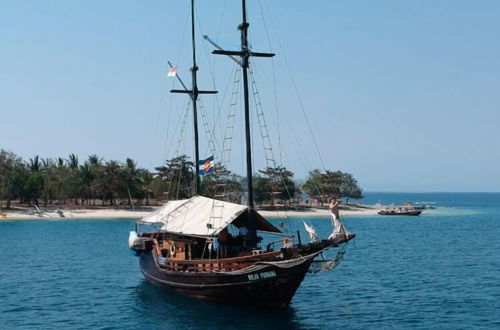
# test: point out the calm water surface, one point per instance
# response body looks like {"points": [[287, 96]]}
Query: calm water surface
{"points": [[439, 270]]}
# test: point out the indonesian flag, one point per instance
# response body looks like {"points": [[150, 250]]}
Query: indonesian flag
{"points": [[172, 72]]}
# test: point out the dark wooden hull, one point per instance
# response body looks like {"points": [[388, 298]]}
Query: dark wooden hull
{"points": [[411, 213], [265, 285]]}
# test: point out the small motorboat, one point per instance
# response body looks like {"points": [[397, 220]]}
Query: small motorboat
{"points": [[399, 211]]}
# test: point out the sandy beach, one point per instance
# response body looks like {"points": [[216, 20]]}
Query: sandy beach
{"points": [[109, 213], [345, 211]]}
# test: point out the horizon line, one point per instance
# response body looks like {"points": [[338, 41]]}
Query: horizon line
{"points": [[432, 192]]}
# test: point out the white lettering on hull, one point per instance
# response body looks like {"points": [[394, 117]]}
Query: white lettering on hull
{"points": [[262, 276]]}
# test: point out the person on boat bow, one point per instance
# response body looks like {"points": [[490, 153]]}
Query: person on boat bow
{"points": [[338, 228]]}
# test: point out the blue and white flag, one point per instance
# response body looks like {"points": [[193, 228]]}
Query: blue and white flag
{"points": [[206, 166]]}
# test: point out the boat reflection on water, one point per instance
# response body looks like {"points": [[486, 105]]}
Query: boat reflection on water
{"points": [[157, 305]]}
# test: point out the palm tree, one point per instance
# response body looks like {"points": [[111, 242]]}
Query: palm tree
{"points": [[74, 179], [34, 164], [98, 186], [73, 161], [113, 182], [147, 186], [133, 179], [87, 178], [34, 183], [49, 178], [95, 160]]}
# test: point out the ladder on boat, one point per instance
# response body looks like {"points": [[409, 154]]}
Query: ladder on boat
{"points": [[272, 171], [222, 168], [172, 175]]}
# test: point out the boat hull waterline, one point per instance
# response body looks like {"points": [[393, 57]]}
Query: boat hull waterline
{"points": [[410, 213], [265, 285]]}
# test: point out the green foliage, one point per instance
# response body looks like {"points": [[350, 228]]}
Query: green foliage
{"points": [[54, 177], [349, 187], [338, 184], [112, 182], [12, 176], [144, 188], [232, 184], [275, 184], [59, 181], [159, 187], [178, 174], [262, 189], [286, 186]]}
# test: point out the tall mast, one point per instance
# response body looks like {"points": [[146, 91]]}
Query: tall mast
{"points": [[194, 93], [194, 96], [244, 61], [244, 64]]}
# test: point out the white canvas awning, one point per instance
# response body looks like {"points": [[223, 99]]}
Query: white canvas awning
{"points": [[203, 216]]}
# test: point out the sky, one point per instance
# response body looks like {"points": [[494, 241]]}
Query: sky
{"points": [[405, 95]]}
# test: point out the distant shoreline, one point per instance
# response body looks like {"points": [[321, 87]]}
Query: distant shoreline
{"points": [[113, 213]]}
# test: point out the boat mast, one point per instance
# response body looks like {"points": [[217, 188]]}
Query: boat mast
{"points": [[194, 93], [194, 96], [244, 63], [244, 55]]}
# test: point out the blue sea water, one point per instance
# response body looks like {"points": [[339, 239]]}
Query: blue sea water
{"points": [[439, 270]]}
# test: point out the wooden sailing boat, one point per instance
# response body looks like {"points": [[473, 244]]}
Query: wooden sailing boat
{"points": [[191, 250]]}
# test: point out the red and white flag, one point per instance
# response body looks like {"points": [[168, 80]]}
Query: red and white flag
{"points": [[172, 72]]}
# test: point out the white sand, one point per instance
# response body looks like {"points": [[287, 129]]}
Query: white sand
{"points": [[129, 214], [317, 213], [75, 214]]}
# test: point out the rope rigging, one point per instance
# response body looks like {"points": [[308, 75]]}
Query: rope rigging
{"points": [[224, 148], [279, 178], [182, 125], [299, 98], [222, 169], [213, 146]]}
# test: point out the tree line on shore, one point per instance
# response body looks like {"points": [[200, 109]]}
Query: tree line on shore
{"points": [[94, 181]]}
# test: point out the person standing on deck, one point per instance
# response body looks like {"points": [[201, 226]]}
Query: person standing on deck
{"points": [[336, 224], [224, 242]]}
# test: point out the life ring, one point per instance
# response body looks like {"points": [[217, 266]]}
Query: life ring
{"points": [[173, 250]]}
